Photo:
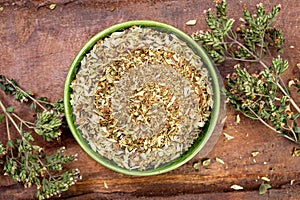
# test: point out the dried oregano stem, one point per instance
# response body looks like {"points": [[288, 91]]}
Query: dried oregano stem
{"points": [[262, 96], [27, 162]]}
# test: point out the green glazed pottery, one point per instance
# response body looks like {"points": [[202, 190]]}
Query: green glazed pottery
{"points": [[199, 143]]}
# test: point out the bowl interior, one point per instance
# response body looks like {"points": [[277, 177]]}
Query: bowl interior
{"points": [[199, 142]]}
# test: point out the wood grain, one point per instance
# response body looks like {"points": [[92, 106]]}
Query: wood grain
{"points": [[37, 46]]}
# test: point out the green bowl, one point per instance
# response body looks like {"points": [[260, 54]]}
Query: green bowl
{"points": [[199, 143]]}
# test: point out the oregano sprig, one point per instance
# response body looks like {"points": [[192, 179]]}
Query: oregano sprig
{"points": [[24, 160], [49, 117], [254, 42]]}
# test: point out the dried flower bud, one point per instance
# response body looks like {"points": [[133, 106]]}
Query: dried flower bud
{"points": [[260, 5]]}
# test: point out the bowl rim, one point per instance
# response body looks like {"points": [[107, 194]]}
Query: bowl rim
{"points": [[189, 154]]}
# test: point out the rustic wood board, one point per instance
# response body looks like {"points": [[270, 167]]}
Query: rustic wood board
{"points": [[37, 46]]}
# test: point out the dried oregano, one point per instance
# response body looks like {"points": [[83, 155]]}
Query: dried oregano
{"points": [[141, 97], [24, 160], [254, 42]]}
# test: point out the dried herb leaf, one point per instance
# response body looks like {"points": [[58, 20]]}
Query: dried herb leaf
{"points": [[263, 188], [206, 163], [219, 160], [236, 187], [228, 137], [238, 119], [191, 22], [292, 181], [1, 117], [105, 185], [296, 152], [254, 154], [52, 6], [265, 179], [10, 109], [196, 165]]}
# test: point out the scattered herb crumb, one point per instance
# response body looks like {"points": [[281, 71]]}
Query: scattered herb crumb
{"points": [[1, 118], [254, 154], [10, 109], [227, 136], [191, 22], [296, 152], [265, 179], [105, 185], [219, 160], [236, 187], [206, 162], [52, 6], [292, 181], [238, 119], [196, 165], [263, 188]]}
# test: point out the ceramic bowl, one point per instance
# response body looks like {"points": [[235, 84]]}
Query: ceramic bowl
{"points": [[199, 143]]}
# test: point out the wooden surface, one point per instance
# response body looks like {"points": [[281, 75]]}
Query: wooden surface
{"points": [[37, 46]]}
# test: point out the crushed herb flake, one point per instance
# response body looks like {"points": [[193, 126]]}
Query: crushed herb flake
{"points": [[236, 187], [219, 160], [206, 163], [254, 154], [263, 188], [52, 6], [227, 136]]}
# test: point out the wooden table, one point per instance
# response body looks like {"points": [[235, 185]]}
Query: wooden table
{"points": [[37, 45]]}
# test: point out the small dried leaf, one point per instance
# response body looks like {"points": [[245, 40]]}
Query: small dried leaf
{"points": [[254, 154], [10, 144], [292, 181], [291, 82], [196, 165], [105, 185], [10, 109], [191, 22], [52, 6], [296, 152], [263, 188], [206, 162], [265, 179], [236, 187], [1, 118], [228, 137], [238, 119], [297, 130], [219, 160]]}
